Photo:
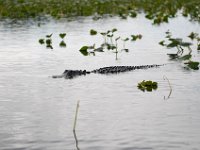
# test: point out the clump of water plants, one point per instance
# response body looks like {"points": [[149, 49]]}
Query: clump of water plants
{"points": [[181, 47], [195, 36], [48, 40], [147, 85], [62, 43], [110, 42], [136, 37]]}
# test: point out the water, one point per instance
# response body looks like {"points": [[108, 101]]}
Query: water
{"points": [[37, 112]]}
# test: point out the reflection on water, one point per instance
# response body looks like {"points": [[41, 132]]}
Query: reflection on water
{"points": [[76, 139], [36, 111]]}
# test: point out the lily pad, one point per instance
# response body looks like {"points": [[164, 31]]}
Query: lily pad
{"points": [[62, 35], [193, 65], [93, 32], [49, 36], [41, 41], [62, 44], [147, 85], [84, 48]]}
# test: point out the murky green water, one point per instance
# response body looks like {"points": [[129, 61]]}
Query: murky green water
{"points": [[37, 112]]}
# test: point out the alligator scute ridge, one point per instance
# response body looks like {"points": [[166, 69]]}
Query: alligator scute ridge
{"points": [[70, 74]]}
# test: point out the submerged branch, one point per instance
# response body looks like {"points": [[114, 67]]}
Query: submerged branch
{"points": [[170, 92]]}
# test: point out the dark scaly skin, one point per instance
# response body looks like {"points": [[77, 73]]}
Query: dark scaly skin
{"points": [[70, 74]]}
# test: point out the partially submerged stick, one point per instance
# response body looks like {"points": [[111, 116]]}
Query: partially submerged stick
{"points": [[165, 78], [75, 119]]}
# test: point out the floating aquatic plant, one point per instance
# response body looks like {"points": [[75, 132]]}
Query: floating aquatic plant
{"points": [[49, 36], [193, 35], [136, 37], [62, 44], [41, 41], [147, 85], [62, 35], [93, 32], [193, 65], [48, 41], [84, 48]]}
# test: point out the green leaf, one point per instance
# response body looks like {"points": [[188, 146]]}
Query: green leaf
{"points": [[162, 43], [84, 48], [49, 36], [48, 41], [114, 30], [41, 41], [62, 44], [62, 35], [193, 65], [84, 53], [93, 32], [193, 35]]}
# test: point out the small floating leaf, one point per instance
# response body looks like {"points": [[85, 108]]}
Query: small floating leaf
{"points": [[135, 37], [62, 44], [48, 41], [193, 65], [193, 35], [49, 36], [84, 48], [62, 35], [49, 46], [126, 39], [114, 30], [162, 43], [41, 41], [93, 32], [85, 53]]}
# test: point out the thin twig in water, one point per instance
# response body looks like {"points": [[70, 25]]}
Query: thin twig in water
{"points": [[76, 140], [165, 78], [75, 119]]}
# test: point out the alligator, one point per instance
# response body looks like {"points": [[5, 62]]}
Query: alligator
{"points": [[70, 74]]}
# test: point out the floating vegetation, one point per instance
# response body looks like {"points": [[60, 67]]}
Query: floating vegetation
{"points": [[62, 35], [156, 10], [147, 86], [110, 42], [192, 65], [177, 43], [93, 32], [62, 44], [49, 36], [41, 41], [84, 48], [180, 45], [48, 41], [136, 37]]}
